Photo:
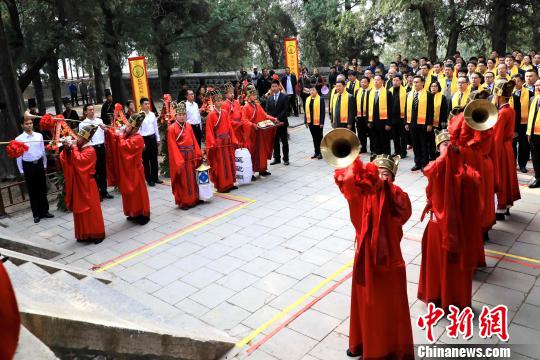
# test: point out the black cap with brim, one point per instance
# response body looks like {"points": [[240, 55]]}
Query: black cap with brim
{"points": [[32, 103]]}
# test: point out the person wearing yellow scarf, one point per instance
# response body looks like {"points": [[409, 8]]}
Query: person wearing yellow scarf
{"points": [[440, 115], [502, 72], [332, 97], [419, 118], [461, 96], [526, 64], [520, 101], [343, 107], [489, 81], [380, 116], [353, 84], [449, 83], [399, 95], [511, 66], [314, 118], [533, 133], [362, 129]]}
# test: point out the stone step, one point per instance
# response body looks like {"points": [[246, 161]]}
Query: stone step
{"points": [[34, 271], [15, 242], [31, 348]]}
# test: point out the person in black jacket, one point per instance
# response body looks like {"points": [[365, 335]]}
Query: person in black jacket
{"points": [[313, 119], [380, 105], [399, 136], [418, 123], [345, 120], [107, 109], [276, 106], [289, 84], [522, 148]]}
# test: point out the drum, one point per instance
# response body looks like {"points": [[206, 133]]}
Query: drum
{"points": [[244, 167], [325, 90]]}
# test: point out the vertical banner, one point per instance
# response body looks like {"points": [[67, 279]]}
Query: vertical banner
{"points": [[291, 55], [139, 79]]}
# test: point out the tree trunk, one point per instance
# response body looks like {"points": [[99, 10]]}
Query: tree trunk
{"points": [[273, 52], [98, 82], [38, 91], [427, 16], [54, 83], [455, 30], [11, 106], [197, 66], [164, 64], [499, 25]]}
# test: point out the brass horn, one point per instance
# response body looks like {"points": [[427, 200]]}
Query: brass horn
{"points": [[480, 114], [340, 147]]}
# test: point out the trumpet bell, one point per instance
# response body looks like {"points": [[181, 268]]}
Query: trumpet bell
{"points": [[480, 115], [340, 147], [28, 116]]}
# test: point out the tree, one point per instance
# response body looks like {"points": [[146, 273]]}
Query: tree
{"points": [[427, 15]]}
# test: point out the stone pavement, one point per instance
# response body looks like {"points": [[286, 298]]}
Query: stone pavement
{"points": [[237, 262]]}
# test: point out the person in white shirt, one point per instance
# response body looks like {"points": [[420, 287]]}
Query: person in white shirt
{"points": [[150, 133], [193, 116], [32, 165], [289, 84], [98, 143]]}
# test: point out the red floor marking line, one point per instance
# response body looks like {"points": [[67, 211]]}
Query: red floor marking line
{"points": [[297, 314], [152, 243]]}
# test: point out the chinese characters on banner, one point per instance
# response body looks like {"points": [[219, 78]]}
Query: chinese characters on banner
{"points": [[139, 79], [491, 322], [291, 55]]}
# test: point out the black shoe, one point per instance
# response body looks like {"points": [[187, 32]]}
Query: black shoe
{"points": [[415, 168], [286, 163], [108, 196], [36, 219], [275, 162], [523, 169], [314, 156], [535, 184], [351, 354], [234, 188], [98, 241], [265, 173], [499, 217], [486, 236], [253, 178], [100, 198], [319, 157], [507, 212], [130, 218], [159, 181], [48, 215], [151, 183], [142, 220]]}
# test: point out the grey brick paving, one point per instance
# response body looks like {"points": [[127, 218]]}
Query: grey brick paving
{"points": [[237, 272]]}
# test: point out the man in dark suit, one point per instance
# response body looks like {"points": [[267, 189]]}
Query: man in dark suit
{"points": [[343, 116], [276, 106], [107, 110], [289, 82], [380, 105], [521, 101]]}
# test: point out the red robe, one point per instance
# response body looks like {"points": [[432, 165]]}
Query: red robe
{"points": [[220, 146], [184, 157], [504, 135], [261, 142], [10, 321], [131, 180], [111, 159], [82, 195], [242, 129], [447, 266], [380, 325]]}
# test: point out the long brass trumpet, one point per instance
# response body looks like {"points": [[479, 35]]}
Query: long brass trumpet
{"points": [[479, 113], [340, 147]]}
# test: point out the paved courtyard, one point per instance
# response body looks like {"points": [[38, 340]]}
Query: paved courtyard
{"points": [[270, 263]]}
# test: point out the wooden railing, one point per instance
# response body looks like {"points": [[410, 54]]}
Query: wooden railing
{"points": [[16, 193]]}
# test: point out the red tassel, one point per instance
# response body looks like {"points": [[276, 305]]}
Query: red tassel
{"points": [[118, 107], [16, 149], [47, 123]]}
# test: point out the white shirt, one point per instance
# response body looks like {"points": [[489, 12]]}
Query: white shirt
{"points": [[149, 125], [193, 115], [289, 85], [36, 149], [99, 136]]}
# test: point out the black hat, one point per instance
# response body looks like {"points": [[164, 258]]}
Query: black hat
{"points": [[108, 92], [32, 103], [351, 72]]}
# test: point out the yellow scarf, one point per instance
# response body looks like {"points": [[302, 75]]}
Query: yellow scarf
{"points": [[383, 104], [316, 110], [332, 100], [356, 86], [361, 111], [402, 99], [371, 84], [524, 102], [453, 84], [532, 110], [343, 108], [437, 101], [513, 71], [422, 107], [526, 67], [498, 77], [455, 98]]}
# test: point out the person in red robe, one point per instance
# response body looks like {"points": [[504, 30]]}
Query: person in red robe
{"points": [[447, 266], [506, 162], [127, 146], [242, 129], [184, 157], [82, 195], [220, 146], [261, 143], [380, 325], [10, 320]]}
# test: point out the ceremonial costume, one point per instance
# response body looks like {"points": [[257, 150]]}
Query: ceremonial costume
{"points": [[447, 266], [380, 325], [220, 146], [184, 157], [10, 320], [131, 179], [419, 115], [380, 103], [82, 196]]}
